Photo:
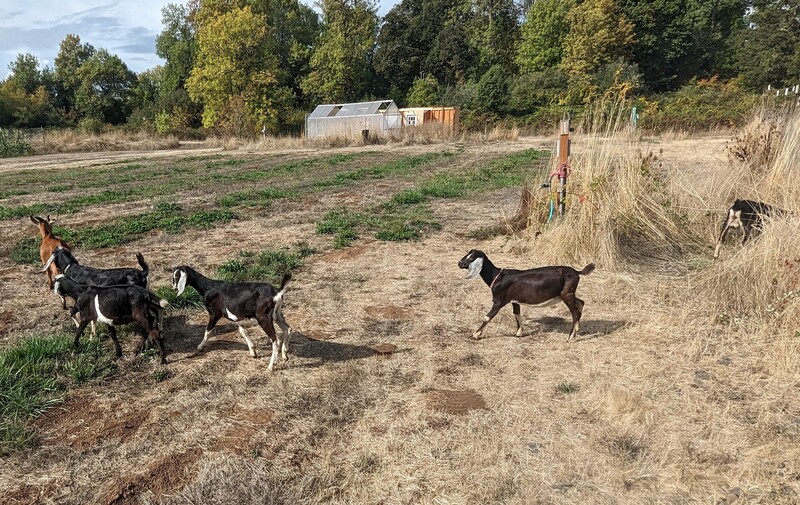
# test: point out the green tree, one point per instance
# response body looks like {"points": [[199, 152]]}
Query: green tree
{"points": [[25, 73], [401, 46], [424, 92], [106, 83], [599, 33], [769, 50], [340, 68], [495, 33], [71, 56], [542, 35], [235, 76]]}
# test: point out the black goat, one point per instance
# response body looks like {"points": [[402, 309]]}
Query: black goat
{"points": [[64, 287], [69, 266], [542, 287], [749, 215], [239, 302], [119, 305]]}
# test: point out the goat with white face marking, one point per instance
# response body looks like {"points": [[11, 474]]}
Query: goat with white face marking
{"points": [[542, 287], [120, 305], [69, 266], [239, 302], [749, 215]]}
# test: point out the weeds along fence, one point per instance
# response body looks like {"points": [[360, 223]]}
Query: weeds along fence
{"points": [[13, 143]]}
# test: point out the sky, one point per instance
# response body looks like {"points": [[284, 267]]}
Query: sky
{"points": [[127, 28]]}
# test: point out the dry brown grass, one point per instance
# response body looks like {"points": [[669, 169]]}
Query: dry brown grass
{"points": [[73, 141]]}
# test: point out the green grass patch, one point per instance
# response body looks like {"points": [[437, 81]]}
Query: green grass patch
{"points": [[267, 266], [189, 299], [342, 224], [401, 166], [566, 388], [26, 251], [165, 216], [257, 198], [34, 376]]}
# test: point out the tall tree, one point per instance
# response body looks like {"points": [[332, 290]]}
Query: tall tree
{"points": [[401, 45], [769, 50], [235, 76], [25, 73], [71, 56], [541, 45], [106, 83], [495, 33], [340, 68], [599, 33]]}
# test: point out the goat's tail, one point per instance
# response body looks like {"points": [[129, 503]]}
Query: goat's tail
{"points": [[587, 269], [143, 264], [284, 283]]}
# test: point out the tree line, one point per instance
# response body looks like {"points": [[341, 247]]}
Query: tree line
{"points": [[239, 65]]}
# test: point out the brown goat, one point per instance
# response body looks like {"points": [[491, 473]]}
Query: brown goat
{"points": [[48, 246]]}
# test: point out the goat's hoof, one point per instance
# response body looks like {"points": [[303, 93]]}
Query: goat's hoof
{"points": [[253, 355], [518, 334], [476, 336], [199, 348]]}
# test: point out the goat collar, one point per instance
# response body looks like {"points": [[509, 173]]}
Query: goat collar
{"points": [[65, 270], [496, 277]]}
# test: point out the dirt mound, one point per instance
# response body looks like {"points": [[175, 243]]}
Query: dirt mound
{"points": [[455, 402], [166, 475]]}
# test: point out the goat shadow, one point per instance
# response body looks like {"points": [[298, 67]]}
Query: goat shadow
{"points": [[590, 328], [184, 338]]}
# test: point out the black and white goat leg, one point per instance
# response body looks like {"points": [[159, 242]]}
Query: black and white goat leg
{"points": [[497, 305], [283, 341], [268, 326], [518, 317], [575, 306], [212, 321]]}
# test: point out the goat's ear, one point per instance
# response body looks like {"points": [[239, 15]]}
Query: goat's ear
{"points": [[35, 220], [49, 262], [475, 268], [182, 283]]}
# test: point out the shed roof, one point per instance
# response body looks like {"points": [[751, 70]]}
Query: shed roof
{"points": [[353, 109]]}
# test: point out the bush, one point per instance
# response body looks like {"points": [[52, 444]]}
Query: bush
{"points": [[703, 105], [13, 143]]}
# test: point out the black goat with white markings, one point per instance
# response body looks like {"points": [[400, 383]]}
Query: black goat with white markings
{"points": [[118, 305], [64, 287], [749, 215], [239, 302], [542, 287], [69, 266]]}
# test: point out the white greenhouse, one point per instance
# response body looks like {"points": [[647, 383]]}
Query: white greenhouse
{"points": [[353, 120]]}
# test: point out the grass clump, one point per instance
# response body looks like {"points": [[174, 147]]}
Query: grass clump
{"points": [[267, 266], [255, 198], [26, 251], [189, 299], [34, 376], [342, 224]]}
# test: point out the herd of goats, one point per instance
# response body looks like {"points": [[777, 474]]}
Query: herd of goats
{"points": [[119, 296]]}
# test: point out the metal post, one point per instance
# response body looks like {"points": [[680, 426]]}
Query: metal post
{"points": [[563, 159]]}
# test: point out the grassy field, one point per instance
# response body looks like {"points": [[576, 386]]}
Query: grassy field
{"points": [[682, 387]]}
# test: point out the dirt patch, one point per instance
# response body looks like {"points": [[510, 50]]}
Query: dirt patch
{"points": [[347, 253], [6, 316], [81, 423], [388, 312], [455, 402], [236, 439], [384, 350], [166, 475]]}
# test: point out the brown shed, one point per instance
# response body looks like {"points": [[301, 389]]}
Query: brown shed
{"points": [[416, 116]]}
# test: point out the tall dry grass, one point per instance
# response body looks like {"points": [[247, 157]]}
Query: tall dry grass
{"points": [[758, 286], [620, 208], [74, 141]]}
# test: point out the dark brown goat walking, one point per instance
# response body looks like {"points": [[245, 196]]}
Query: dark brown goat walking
{"points": [[542, 287]]}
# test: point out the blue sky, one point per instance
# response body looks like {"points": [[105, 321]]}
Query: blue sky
{"points": [[124, 27]]}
